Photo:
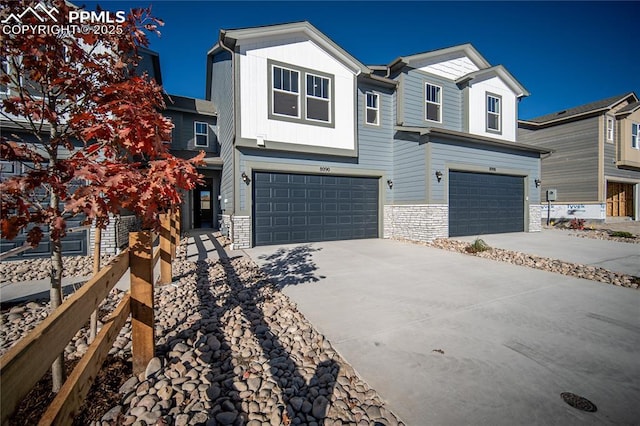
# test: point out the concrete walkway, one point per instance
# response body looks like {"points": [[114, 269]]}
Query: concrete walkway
{"points": [[199, 246], [449, 339], [559, 244]]}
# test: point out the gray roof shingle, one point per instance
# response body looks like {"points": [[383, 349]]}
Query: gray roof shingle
{"points": [[582, 109]]}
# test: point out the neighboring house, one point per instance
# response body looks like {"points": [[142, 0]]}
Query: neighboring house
{"points": [[194, 131], [595, 167], [317, 146]]}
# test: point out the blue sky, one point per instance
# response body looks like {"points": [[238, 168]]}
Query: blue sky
{"points": [[565, 53]]}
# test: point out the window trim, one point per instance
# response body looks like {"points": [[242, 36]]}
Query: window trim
{"points": [[307, 96], [488, 95], [610, 131], [637, 135], [302, 103], [425, 102], [272, 90], [196, 134], [367, 108]]}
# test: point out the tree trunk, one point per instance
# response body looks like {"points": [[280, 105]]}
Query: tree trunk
{"points": [[57, 369]]}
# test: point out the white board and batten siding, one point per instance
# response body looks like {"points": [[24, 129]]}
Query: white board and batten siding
{"points": [[254, 93], [451, 68], [478, 108]]}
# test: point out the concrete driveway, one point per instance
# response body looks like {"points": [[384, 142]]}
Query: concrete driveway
{"points": [[559, 244], [450, 339]]}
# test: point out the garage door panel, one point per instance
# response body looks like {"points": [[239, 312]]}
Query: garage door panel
{"points": [[481, 203], [326, 208]]}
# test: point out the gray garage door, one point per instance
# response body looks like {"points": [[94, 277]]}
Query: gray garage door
{"points": [[294, 208], [74, 244], [481, 203]]}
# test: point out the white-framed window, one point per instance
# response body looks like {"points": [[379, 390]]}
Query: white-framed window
{"points": [[285, 92], [635, 134], [433, 102], [201, 131], [372, 108], [494, 113], [610, 125], [318, 100], [4, 71]]}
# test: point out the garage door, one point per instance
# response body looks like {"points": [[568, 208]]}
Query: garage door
{"points": [[294, 208], [74, 244], [481, 203]]}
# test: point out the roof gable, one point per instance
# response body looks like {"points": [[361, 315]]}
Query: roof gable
{"points": [[443, 55], [497, 71], [231, 37]]}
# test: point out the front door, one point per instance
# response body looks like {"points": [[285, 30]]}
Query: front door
{"points": [[203, 205]]}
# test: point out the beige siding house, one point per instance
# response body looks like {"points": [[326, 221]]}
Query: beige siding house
{"points": [[595, 165]]}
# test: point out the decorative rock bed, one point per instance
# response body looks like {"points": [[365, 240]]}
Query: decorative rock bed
{"points": [[546, 264], [232, 349], [40, 268]]}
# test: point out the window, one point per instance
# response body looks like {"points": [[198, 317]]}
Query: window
{"points": [[202, 133], [433, 102], [635, 133], [493, 113], [318, 98], [285, 92], [4, 72], [610, 124], [372, 109]]}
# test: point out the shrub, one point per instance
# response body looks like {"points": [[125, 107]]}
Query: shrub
{"points": [[577, 224], [478, 246], [621, 234]]}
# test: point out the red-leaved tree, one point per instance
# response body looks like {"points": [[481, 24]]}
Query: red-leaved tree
{"points": [[88, 129]]}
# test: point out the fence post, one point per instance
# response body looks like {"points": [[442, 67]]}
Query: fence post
{"points": [[93, 327], [166, 248], [142, 309], [178, 226]]}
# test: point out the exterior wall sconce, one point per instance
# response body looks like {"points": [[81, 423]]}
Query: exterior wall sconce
{"points": [[245, 178], [390, 183], [537, 182], [438, 175]]}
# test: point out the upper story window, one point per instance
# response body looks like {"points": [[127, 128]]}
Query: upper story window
{"points": [[494, 113], [201, 133], [4, 71], [433, 103], [610, 124], [300, 95], [318, 98], [286, 95], [372, 109], [635, 134]]}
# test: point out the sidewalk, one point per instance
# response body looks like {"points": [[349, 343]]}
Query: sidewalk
{"points": [[199, 247]]}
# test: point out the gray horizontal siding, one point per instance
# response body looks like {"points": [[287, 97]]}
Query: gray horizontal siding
{"points": [[444, 154], [375, 142], [222, 98], [412, 96], [409, 162], [610, 168], [184, 131], [572, 168]]}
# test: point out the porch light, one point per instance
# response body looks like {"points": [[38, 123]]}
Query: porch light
{"points": [[438, 175], [390, 183], [537, 182], [245, 178]]}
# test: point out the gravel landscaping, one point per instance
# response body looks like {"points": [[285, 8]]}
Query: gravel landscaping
{"points": [[40, 268], [232, 349], [577, 270]]}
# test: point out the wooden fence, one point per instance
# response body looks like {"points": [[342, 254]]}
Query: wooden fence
{"points": [[26, 362]]}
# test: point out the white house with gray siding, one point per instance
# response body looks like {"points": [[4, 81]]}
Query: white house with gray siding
{"points": [[595, 167], [317, 146]]}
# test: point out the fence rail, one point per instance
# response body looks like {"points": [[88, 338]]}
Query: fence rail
{"points": [[22, 366]]}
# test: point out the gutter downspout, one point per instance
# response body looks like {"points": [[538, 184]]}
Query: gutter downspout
{"points": [[233, 135]]}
